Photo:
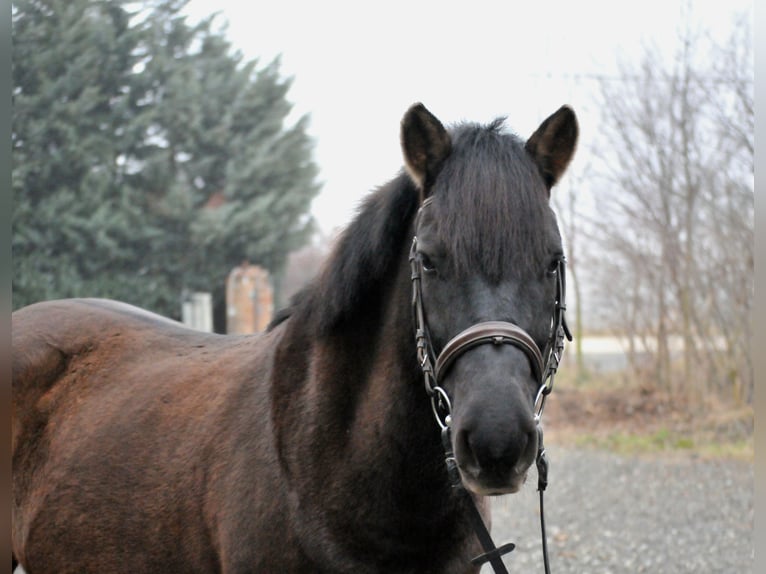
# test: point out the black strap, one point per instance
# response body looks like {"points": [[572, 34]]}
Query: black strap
{"points": [[542, 483], [545, 541], [492, 554]]}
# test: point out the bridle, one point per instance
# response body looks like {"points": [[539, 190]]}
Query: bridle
{"points": [[544, 366]]}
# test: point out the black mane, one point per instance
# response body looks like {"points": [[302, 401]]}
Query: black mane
{"points": [[363, 258], [489, 202]]}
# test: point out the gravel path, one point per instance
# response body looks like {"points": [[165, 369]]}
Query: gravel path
{"points": [[607, 513]]}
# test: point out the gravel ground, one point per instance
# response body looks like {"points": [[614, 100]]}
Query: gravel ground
{"points": [[613, 514]]}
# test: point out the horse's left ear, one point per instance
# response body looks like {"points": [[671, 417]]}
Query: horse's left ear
{"points": [[553, 144], [425, 145]]}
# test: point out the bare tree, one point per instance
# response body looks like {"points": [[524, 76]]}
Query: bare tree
{"points": [[572, 220], [676, 216], [303, 265]]}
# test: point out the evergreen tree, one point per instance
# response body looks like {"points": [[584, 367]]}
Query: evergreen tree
{"points": [[175, 163], [76, 228], [238, 182]]}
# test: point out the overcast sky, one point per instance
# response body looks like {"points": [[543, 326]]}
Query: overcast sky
{"points": [[357, 66]]}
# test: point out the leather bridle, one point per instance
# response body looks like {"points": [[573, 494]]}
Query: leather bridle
{"points": [[544, 365]]}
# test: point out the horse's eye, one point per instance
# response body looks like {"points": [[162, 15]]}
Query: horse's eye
{"points": [[428, 265], [553, 267]]}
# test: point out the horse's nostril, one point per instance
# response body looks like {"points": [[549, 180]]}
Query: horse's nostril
{"points": [[489, 452], [516, 452], [465, 452]]}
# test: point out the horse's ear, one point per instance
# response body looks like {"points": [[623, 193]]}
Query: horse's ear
{"points": [[425, 145], [553, 144]]}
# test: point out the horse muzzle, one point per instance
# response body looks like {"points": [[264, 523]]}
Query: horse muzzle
{"points": [[494, 463], [494, 432]]}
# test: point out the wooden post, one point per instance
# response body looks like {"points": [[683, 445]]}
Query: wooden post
{"points": [[249, 299]]}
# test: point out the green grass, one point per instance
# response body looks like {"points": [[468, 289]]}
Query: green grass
{"points": [[666, 441]]}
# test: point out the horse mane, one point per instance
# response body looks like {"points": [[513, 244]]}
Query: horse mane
{"points": [[362, 260], [481, 224]]}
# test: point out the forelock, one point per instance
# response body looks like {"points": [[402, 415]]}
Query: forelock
{"points": [[491, 204]]}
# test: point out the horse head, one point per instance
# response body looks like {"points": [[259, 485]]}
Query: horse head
{"points": [[487, 257]]}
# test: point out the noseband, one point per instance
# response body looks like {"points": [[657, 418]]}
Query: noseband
{"points": [[544, 365], [494, 332]]}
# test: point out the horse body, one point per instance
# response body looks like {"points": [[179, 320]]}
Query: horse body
{"points": [[179, 473], [142, 446]]}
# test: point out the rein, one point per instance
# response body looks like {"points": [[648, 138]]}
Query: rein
{"points": [[544, 365]]}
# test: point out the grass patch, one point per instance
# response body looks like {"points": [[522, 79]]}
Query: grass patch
{"points": [[743, 450], [665, 441], [637, 443]]}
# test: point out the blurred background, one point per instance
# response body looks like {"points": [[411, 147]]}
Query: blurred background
{"points": [[198, 158]]}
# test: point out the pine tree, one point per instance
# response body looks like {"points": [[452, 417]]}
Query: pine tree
{"points": [[150, 158], [238, 181], [74, 225]]}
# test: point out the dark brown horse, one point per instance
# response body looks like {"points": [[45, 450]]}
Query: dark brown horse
{"points": [[142, 446]]}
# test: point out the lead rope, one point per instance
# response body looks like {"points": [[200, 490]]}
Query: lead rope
{"points": [[542, 483]]}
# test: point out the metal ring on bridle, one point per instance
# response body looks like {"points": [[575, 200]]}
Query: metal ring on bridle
{"points": [[539, 403], [440, 400]]}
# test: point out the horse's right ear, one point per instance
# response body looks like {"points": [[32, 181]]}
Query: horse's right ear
{"points": [[425, 145]]}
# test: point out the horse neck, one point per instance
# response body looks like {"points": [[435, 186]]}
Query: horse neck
{"points": [[361, 412]]}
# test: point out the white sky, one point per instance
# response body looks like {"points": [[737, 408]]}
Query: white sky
{"points": [[357, 66]]}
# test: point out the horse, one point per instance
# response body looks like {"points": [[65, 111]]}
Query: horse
{"points": [[142, 446]]}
